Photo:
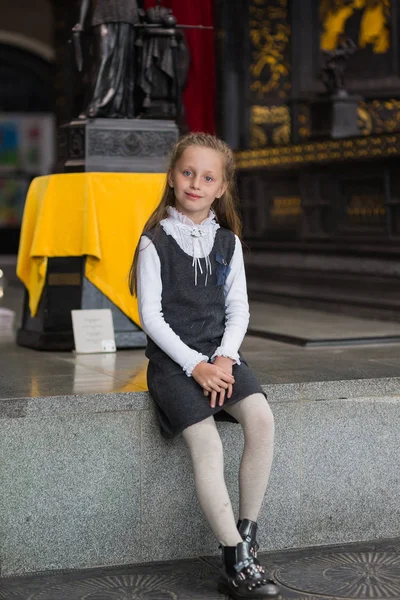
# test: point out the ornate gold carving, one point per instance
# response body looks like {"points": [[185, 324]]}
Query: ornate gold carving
{"points": [[270, 114], [333, 16], [281, 134], [374, 118], [270, 122], [286, 207], [269, 34], [366, 209], [374, 29], [320, 152], [304, 121], [364, 119], [379, 116], [258, 137]]}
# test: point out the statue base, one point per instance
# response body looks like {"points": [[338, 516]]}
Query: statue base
{"points": [[102, 145], [66, 288], [335, 116], [115, 145]]}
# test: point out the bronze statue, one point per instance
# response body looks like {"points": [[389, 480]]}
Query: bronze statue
{"points": [[138, 61], [111, 27], [163, 64], [335, 65]]}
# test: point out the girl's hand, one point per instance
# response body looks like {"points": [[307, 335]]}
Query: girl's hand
{"points": [[213, 379], [226, 365]]}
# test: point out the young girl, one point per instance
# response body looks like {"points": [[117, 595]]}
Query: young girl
{"points": [[188, 274]]}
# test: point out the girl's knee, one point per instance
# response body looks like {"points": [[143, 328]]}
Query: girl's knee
{"points": [[207, 454], [203, 438], [265, 421], [214, 446], [261, 421]]}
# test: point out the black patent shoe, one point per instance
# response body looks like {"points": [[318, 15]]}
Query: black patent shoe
{"points": [[248, 531], [242, 578]]}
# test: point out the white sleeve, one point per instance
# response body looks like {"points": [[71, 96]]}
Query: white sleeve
{"points": [[236, 307], [149, 290]]}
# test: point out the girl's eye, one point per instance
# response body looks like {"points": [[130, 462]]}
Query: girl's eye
{"points": [[187, 173], [208, 178]]}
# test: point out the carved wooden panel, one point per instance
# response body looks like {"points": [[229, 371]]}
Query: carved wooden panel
{"points": [[270, 72], [351, 201]]}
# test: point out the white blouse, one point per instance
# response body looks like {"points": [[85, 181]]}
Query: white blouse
{"points": [[196, 241]]}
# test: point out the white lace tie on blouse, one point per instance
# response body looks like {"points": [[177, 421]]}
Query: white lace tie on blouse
{"points": [[195, 240], [197, 234]]}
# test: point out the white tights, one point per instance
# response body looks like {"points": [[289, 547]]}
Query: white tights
{"points": [[205, 446]]}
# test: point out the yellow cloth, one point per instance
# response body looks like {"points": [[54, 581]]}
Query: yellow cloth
{"points": [[100, 215]]}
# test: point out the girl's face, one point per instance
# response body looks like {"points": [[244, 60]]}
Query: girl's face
{"points": [[197, 179]]}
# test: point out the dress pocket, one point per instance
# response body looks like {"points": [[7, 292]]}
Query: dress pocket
{"points": [[223, 269]]}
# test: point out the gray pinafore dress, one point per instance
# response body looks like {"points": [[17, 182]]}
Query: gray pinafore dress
{"points": [[196, 313]]}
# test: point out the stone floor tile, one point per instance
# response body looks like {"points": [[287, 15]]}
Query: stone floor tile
{"points": [[362, 571]]}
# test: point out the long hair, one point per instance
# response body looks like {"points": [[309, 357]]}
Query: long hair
{"points": [[224, 207]]}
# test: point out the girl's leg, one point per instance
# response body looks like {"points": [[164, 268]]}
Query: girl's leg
{"points": [[243, 577], [255, 416], [205, 447]]}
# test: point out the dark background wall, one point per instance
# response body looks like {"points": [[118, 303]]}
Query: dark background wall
{"points": [[322, 212]]}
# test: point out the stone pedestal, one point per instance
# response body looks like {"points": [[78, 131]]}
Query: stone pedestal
{"points": [[66, 288], [96, 145], [335, 116], [115, 145]]}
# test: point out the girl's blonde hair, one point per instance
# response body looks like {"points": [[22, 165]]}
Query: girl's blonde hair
{"points": [[224, 207]]}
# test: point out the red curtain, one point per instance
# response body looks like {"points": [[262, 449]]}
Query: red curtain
{"points": [[199, 95]]}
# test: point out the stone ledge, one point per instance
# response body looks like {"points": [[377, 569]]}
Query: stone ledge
{"points": [[73, 404], [103, 488], [351, 388], [12, 408]]}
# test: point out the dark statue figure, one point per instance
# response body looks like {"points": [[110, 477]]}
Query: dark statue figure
{"points": [[110, 25], [336, 61], [334, 113], [136, 62], [163, 64]]}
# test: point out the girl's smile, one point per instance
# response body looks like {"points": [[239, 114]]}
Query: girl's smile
{"points": [[192, 195]]}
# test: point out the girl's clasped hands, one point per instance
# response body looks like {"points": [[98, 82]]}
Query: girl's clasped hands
{"points": [[215, 379]]}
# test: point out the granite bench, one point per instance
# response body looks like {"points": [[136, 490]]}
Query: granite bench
{"points": [[87, 480]]}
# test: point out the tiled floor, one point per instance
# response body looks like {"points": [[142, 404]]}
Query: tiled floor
{"points": [[305, 326], [369, 570]]}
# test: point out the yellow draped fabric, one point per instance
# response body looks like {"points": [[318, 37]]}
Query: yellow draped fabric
{"points": [[98, 215]]}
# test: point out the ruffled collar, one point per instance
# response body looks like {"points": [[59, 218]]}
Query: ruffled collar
{"points": [[194, 239], [184, 223]]}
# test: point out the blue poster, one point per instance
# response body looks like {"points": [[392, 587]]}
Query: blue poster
{"points": [[9, 144], [13, 192]]}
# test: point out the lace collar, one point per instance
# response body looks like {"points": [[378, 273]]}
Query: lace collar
{"points": [[194, 239], [186, 225]]}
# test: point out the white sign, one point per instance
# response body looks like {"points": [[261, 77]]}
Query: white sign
{"points": [[93, 331]]}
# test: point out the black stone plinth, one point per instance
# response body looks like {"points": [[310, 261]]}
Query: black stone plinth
{"points": [[115, 145], [335, 117], [66, 288]]}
